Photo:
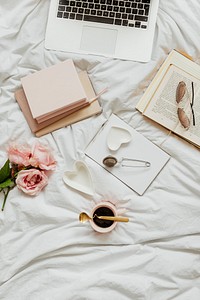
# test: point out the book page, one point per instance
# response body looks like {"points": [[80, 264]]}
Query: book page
{"points": [[163, 106]]}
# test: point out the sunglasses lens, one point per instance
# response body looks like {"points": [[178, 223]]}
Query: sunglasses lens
{"points": [[184, 120], [180, 91]]}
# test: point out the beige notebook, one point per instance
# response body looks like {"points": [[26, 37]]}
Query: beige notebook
{"points": [[65, 120], [53, 90]]}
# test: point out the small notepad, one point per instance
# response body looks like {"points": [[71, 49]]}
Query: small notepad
{"points": [[137, 147], [53, 91]]}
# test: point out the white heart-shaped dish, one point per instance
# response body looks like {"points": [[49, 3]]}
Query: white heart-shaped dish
{"points": [[80, 178], [117, 136]]}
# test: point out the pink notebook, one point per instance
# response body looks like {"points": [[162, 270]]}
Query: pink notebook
{"points": [[54, 91], [70, 117]]}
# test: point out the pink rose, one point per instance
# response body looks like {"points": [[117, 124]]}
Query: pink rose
{"points": [[19, 155], [31, 181], [42, 158]]}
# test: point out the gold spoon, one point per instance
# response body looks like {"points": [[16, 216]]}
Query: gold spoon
{"points": [[83, 217]]}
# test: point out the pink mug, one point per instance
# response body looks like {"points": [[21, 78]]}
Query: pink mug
{"points": [[103, 209]]}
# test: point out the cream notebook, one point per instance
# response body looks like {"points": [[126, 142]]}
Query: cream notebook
{"points": [[53, 90]]}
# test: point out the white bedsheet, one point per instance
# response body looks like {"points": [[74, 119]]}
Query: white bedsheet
{"points": [[45, 253]]}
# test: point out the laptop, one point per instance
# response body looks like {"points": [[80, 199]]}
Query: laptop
{"points": [[122, 29]]}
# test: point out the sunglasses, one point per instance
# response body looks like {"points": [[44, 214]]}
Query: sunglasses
{"points": [[183, 100]]}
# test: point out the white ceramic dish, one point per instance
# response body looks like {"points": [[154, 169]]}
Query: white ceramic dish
{"points": [[117, 136], [80, 178]]}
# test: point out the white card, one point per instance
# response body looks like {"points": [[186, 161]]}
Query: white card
{"points": [[139, 177]]}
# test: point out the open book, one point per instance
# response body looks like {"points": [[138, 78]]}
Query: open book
{"points": [[173, 97]]}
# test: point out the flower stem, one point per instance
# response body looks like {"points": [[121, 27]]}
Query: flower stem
{"points": [[5, 197]]}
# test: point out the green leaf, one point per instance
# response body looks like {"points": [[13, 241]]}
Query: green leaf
{"points": [[7, 183], [5, 171]]}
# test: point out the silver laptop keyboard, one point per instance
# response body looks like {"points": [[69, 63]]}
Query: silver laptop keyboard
{"points": [[132, 13]]}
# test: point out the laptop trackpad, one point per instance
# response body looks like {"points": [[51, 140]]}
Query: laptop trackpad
{"points": [[98, 40]]}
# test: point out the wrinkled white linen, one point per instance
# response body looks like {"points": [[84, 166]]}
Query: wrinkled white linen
{"points": [[45, 253]]}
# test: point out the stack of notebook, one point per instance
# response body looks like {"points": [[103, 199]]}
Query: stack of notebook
{"points": [[55, 97]]}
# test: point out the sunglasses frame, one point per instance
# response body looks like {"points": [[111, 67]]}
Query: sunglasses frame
{"points": [[180, 93]]}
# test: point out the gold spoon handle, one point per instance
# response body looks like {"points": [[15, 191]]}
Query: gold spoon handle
{"points": [[117, 219]]}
